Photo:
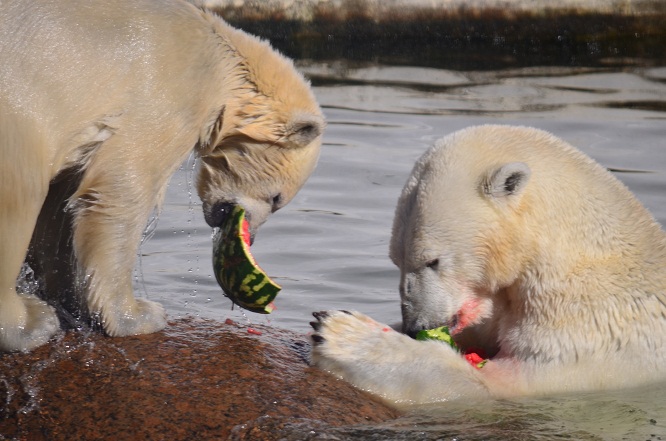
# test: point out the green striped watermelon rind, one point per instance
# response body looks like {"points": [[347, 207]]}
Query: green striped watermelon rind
{"points": [[236, 271], [473, 356], [441, 334]]}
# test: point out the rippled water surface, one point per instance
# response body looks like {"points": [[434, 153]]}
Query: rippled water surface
{"points": [[328, 248]]}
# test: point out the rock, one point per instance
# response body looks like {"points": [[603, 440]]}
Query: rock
{"points": [[198, 379]]}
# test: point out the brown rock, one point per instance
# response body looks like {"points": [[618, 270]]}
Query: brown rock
{"points": [[198, 380]]}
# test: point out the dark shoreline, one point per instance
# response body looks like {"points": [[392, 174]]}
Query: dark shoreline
{"points": [[464, 38]]}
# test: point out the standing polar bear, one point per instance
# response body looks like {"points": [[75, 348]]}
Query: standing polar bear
{"points": [[531, 253], [100, 102]]}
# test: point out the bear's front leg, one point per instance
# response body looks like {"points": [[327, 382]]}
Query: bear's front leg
{"points": [[105, 244], [382, 361], [110, 208], [25, 321]]}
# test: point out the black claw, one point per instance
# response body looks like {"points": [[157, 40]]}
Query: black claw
{"points": [[316, 325], [317, 339], [320, 315]]}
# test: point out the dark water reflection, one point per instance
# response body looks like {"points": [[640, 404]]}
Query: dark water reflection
{"points": [[476, 35], [329, 247]]}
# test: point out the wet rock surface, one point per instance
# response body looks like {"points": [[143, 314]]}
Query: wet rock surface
{"points": [[198, 379]]}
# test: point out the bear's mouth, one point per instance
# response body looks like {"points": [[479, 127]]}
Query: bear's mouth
{"points": [[468, 315], [454, 325], [217, 213]]}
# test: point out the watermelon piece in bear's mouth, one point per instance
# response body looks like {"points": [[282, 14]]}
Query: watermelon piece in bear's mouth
{"points": [[441, 334], [474, 356], [236, 271]]}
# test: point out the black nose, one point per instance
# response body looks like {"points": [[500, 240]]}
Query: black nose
{"points": [[215, 213], [411, 331], [276, 202]]}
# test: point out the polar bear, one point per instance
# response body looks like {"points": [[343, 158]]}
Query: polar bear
{"points": [[100, 102], [531, 253]]}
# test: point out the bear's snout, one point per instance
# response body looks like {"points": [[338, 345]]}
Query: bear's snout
{"points": [[214, 214]]}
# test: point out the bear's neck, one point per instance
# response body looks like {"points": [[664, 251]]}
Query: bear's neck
{"points": [[561, 311]]}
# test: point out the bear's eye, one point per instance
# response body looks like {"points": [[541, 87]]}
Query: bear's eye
{"points": [[276, 202], [432, 263]]}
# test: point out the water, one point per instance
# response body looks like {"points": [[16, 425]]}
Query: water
{"points": [[328, 248], [608, 416]]}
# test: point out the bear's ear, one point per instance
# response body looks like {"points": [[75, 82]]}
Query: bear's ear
{"points": [[507, 180], [211, 132], [303, 129]]}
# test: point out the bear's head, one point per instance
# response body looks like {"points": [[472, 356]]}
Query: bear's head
{"points": [[259, 148], [487, 209], [521, 243]]}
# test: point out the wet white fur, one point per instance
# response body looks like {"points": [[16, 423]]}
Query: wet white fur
{"points": [[122, 91], [562, 270]]}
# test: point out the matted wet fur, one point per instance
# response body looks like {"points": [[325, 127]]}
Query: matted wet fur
{"points": [[100, 102]]}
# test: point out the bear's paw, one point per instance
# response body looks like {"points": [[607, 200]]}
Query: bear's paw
{"points": [[26, 323], [343, 341], [146, 317]]}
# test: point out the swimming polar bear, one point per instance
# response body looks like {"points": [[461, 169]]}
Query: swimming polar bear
{"points": [[100, 102], [531, 253]]}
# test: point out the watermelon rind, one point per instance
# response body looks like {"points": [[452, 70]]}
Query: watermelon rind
{"points": [[441, 334], [236, 271]]}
